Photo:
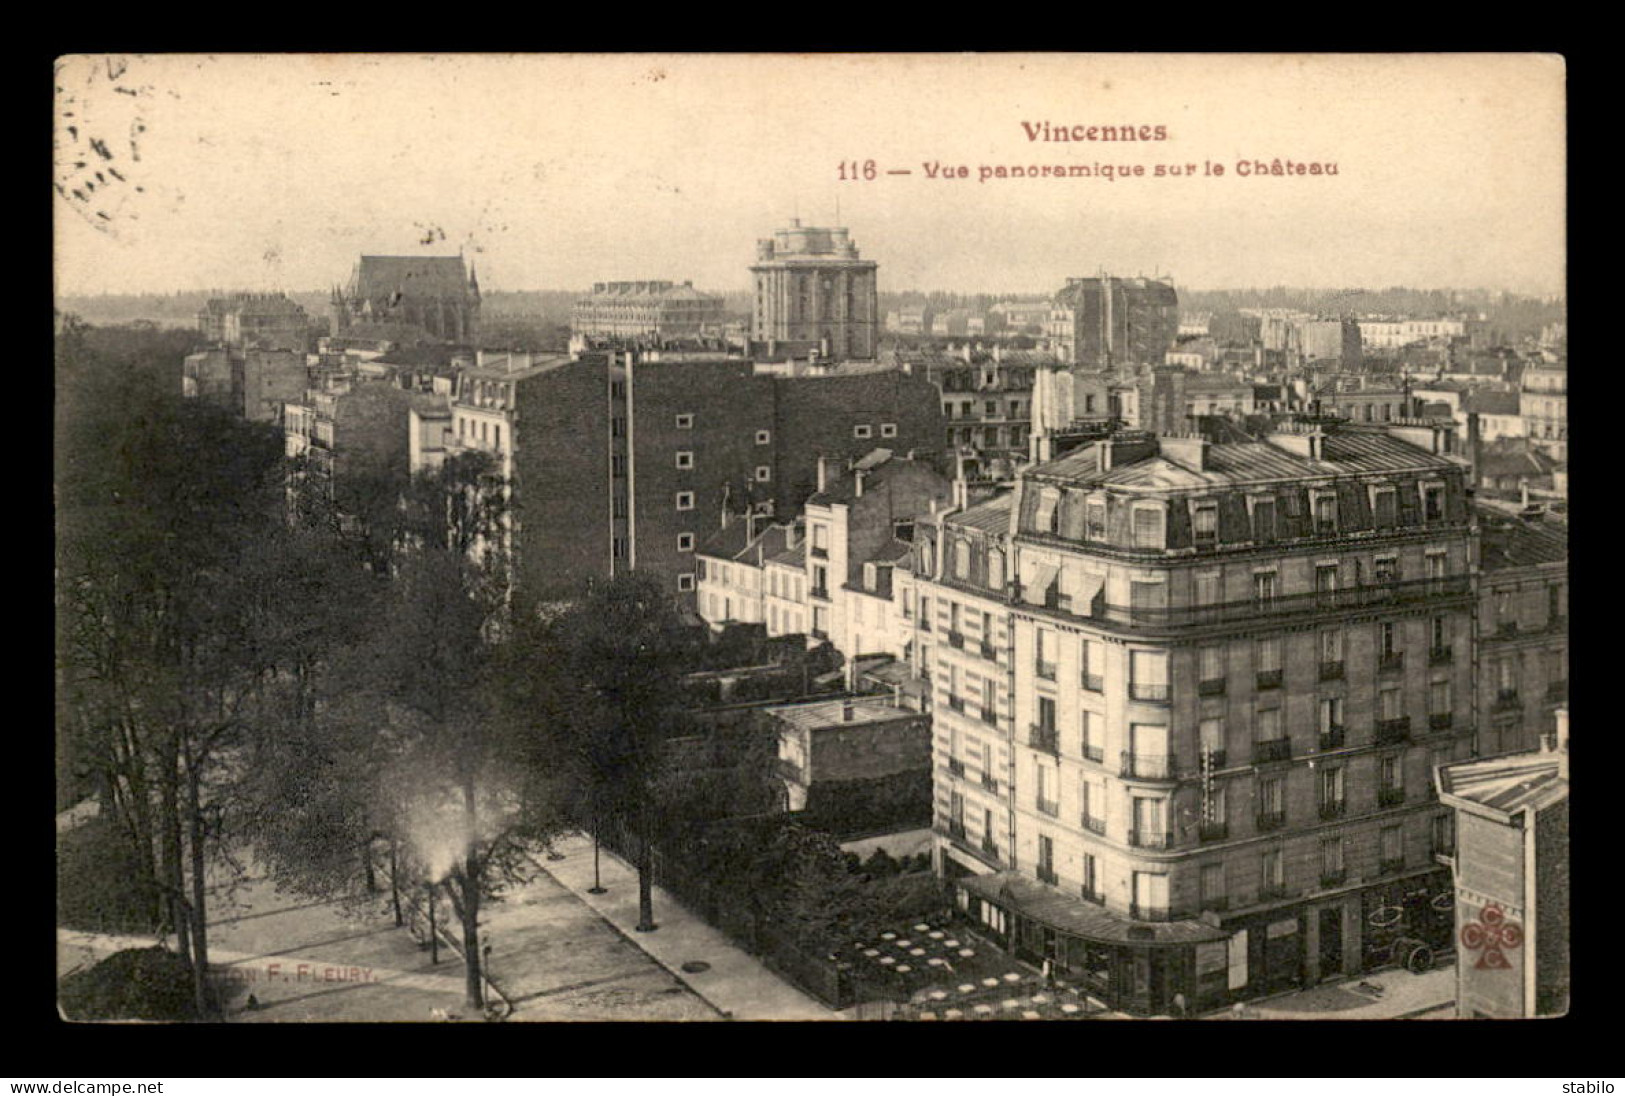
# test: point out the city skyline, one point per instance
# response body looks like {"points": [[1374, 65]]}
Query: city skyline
{"points": [[672, 167]]}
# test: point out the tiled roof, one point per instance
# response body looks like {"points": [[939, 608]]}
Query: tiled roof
{"points": [[828, 713], [1507, 784], [992, 516], [1346, 451], [1512, 542], [411, 276]]}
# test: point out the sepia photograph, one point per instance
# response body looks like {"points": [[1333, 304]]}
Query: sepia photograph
{"points": [[902, 537]]}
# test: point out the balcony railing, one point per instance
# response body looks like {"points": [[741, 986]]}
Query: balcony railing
{"points": [[1333, 738], [1393, 731], [956, 766], [1392, 662], [1094, 753], [990, 782], [956, 640], [956, 829], [1390, 797], [1334, 878], [1148, 766], [1440, 656], [989, 716], [1044, 738], [1272, 749], [1331, 671], [1150, 839], [1093, 682], [1148, 913], [1155, 694], [1218, 903], [1214, 758], [1047, 875], [1334, 808], [1506, 699], [1092, 894], [1213, 831], [1441, 721], [1354, 597], [1264, 821], [1045, 670], [1269, 892], [988, 652], [1269, 679], [990, 848], [1051, 807], [957, 703], [1213, 686], [1094, 825]]}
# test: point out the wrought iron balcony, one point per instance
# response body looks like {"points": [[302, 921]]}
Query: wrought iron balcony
{"points": [[1155, 694], [990, 848], [1272, 749], [1334, 878], [1217, 904], [1333, 738], [1269, 892], [1214, 758], [989, 716], [1148, 766], [1092, 894], [1331, 671], [990, 782], [1095, 683], [1150, 839], [956, 766], [1392, 662], [1333, 808], [1047, 874], [1441, 721], [1044, 670], [1506, 699], [956, 829], [1149, 913], [1390, 732], [988, 652], [1440, 656], [1390, 797], [1381, 595], [1051, 807], [957, 703], [1213, 686], [1094, 753], [1269, 679], [1094, 825], [1213, 831], [1044, 738], [1264, 821], [820, 592], [956, 640]]}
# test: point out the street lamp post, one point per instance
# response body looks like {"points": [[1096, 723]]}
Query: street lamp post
{"points": [[597, 883]]}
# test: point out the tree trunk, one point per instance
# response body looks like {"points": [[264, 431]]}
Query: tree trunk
{"points": [[366, 866], [200, 934], [394, 883], [471, 903], [646, 901], [174, 872]]}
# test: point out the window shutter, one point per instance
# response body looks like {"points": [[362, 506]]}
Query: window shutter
{"points": [[1234, 524]]}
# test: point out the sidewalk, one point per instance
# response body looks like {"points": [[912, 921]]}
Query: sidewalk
{"points": [[1405, 996], [737, 984]]}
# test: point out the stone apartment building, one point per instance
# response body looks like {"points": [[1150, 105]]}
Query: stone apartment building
{"points": [[1107, 323], [1543, 403], [653, 310], [269, 321], [1200, 690], [1523, 631]]}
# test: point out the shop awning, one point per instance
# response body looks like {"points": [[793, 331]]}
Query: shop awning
{"points": [[1076, 917]]}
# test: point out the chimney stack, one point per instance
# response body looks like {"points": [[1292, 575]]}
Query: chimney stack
{"points": [[847, 711], [857, 482]]}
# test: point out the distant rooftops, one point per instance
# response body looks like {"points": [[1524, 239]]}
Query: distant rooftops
{"points": [[1512, 542], [664, 290], [800, 242]]}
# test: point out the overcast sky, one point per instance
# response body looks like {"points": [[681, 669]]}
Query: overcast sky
{"points": [[275, 172]]}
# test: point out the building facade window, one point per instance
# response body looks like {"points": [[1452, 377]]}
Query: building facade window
{"points": [[862, 430], [685, 542], [764, 473], [685, 582], [685, 459], [685, 500], [763, 437], [685, 422], [888, 429]]}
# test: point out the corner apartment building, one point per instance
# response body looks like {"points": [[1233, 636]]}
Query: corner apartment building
{"points": [[1523, 631], [1543, 403], [1200, 689]]}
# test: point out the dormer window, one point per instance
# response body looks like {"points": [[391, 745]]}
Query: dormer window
{"points": [[1205, 523], [1045, 517], [1148, 527]]}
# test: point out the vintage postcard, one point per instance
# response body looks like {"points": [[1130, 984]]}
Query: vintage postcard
{"points": [[811, 537]]}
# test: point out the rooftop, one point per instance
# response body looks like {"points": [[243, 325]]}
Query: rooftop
{"points": [[1507, 785], [992, 516], [1512, 542], [826, 713], [410, 276]]}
